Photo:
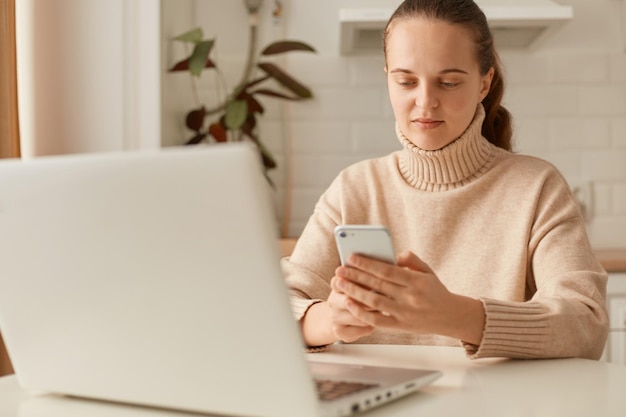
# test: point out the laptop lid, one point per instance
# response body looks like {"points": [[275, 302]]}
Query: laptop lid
{"points": [[153, 278], [149, 278]]}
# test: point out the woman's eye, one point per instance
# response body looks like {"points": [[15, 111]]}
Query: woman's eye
{"points": [[406, 83], [449, 84]]}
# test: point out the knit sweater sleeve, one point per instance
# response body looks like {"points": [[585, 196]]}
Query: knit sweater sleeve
{"points": [[565, 315], [312, 264]]}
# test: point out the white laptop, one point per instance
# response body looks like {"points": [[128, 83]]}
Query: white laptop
{"points": [[153, 278]]}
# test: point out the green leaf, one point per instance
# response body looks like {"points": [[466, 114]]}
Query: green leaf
{"points": [[184, 65], [193, 36], [286, 80], [236, 114], [198, 59], [286, 46]]}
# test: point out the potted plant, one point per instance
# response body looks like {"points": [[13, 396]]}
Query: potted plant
{"points": [[235, 118]]}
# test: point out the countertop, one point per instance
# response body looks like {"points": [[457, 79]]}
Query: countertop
{"points": [[613, 260], [490, 387]]}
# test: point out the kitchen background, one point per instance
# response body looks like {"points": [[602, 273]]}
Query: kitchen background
{"points": [[92, 76], [568, 97]]}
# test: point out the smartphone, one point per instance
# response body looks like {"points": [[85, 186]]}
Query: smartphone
{"points": [[372, 241]]}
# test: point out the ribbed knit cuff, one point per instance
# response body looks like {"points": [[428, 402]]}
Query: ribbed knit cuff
{"points": [[512, 329], [301, 305]]}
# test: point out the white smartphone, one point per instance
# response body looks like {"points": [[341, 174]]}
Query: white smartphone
{"points": [[372, 241]]}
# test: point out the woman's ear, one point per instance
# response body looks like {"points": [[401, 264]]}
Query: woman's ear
{"points": [[485, 84]]}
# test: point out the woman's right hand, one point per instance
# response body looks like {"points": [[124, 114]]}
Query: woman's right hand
{"points": [[329, 321]]}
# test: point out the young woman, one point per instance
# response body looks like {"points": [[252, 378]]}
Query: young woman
{"points": [[493, 252]]}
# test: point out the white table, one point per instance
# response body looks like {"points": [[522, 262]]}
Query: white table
{"points": [[488, 387]]}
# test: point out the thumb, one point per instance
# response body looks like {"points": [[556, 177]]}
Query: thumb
{"points": [[412, 261]]}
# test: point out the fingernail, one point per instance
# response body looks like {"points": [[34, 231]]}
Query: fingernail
{"points": [[341, 284]]}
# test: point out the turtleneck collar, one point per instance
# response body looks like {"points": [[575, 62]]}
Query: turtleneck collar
{"points": [[450, 167]]}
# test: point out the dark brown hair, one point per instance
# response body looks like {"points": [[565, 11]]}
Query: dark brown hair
{"points": [[497, 127]]}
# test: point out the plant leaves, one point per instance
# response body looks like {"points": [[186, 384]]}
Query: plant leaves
{"points": [[196, 139], [195, 119], [199, 57], [286, 46], [218, 131], [248, 127], [255, 82], [236, 114], [193, 36], [268, 160], [254, 106], [184, 65], [180, 66], [266, 156], [286, 80], [266, 92]]}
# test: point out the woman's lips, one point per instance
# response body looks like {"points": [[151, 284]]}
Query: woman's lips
{"points": [[427, 124]]}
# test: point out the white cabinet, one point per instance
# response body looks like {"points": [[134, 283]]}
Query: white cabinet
{"points": [[615, 351]]}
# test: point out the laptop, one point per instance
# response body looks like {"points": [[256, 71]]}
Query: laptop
{"points": [[153, 278]]}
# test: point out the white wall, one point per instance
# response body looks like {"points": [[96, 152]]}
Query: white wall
{"points": [[568, 98], [88, 75]]}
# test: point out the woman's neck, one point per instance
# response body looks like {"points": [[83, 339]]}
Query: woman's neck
{"points": [[450, 167]]}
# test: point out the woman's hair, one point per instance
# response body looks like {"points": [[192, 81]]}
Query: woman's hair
{"points": [[497, 127]]}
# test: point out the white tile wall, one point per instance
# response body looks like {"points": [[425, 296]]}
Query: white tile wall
{"points": [[568, 98]]}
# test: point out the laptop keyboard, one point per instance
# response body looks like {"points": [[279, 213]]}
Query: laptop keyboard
{"points": [[328, 390]]}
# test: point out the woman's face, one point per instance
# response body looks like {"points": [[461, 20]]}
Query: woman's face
{"points": [[434, 80]]}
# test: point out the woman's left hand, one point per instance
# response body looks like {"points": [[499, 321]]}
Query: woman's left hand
{"points": [[407, 296]]}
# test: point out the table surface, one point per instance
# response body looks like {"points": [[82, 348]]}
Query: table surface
{"points": [[486, 387]]}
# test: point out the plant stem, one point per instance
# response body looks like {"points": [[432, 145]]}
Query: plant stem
{"points": [[254, 22]]}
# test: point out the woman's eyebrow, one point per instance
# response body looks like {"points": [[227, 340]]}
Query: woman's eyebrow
{"points": [[442, 72], [453, 70]]}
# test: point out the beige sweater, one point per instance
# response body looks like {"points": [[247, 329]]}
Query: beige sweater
{"points": [[493, 225]]}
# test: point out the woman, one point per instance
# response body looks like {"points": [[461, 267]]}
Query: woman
{"points": [[493, 249]]}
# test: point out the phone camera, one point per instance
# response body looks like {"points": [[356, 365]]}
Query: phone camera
{"points": [[342, 234]]}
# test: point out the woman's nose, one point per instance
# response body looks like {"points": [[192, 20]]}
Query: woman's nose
{"points": [[426, 98]]}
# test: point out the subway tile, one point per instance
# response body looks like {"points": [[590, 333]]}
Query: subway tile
{"points": [[530, 134], [602, 198], [579, 68], [602, 100], [607, 232], [618, 68], [271, 133], [547, 101], [580, 133], [319, 170], [319, 71], [524, 68], [375, 136], [303, 202], [619, 199], [568, 162], [365, 70], [320, 137], [387, 113], [340, 104], [607, 165], [618, 132]]}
